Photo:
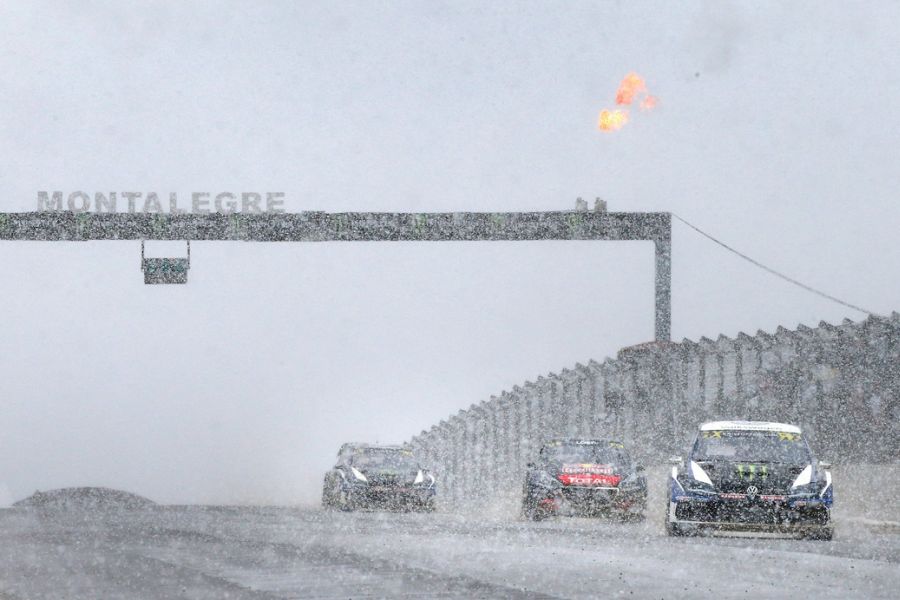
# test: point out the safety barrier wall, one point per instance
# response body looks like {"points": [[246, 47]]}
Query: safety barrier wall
{"points": [[840, 383]]}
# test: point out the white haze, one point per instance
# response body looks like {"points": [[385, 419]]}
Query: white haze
{"points": [[776, 131]]}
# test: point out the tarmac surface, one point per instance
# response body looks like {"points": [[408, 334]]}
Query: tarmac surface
{"points": [[287, 552]]}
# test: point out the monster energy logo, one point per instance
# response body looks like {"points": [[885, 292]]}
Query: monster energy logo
{"points": [[751, 471]]}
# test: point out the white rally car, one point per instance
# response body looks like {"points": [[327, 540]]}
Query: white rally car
{"points": [[750, 476]]}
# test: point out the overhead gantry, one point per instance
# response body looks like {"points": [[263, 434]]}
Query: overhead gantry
{"points": [[353, 227]]}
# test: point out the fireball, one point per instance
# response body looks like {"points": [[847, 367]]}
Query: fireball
{"points": [[612, 120], [632, 88]]}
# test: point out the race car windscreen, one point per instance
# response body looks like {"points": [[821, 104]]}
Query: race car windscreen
{"points": [[607, 453], [756, 446], [388, 460]]}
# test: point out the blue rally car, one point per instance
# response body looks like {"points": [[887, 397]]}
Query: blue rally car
{"points": [[750, 476]]}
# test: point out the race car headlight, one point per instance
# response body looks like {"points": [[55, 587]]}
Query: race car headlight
{"points": [[695, 479], [827, 483], [424, 479], [804, 484], [358, 475], [699, 474], [804, 478]]}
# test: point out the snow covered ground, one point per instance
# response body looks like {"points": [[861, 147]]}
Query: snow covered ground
{"points": [[279, 552]]}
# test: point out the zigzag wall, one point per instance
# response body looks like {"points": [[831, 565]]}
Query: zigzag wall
{"points": [[841, 383]]}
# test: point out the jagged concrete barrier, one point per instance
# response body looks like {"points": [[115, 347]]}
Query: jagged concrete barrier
{"points": [[841, 383]]}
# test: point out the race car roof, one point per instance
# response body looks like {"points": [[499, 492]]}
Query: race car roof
{"points": [[581, 441], [363, 445], [748, 426]]}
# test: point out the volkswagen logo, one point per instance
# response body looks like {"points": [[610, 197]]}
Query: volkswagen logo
{"points": [[752, 491]]}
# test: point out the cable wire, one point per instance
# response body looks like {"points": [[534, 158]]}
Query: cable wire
{"points": [[776, 273]]}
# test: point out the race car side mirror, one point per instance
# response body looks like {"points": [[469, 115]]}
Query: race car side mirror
{"points": [[824, 465], [675, 460]]}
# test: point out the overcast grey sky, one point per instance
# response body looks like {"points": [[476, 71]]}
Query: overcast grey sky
{"points": [[776, 130]]}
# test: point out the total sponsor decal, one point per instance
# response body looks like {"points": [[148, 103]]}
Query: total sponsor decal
{"points": [[587, 468], [588, 474], [590, 480]]}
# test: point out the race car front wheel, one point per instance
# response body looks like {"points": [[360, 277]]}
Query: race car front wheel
{"points": [[632, 517], [672, 529], [345, 503], [327, 497], [825, 534], [533, 511], [535, 514]]}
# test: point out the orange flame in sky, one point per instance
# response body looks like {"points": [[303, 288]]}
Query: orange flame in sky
{"points": [[631, 88], [612, 120], [632, 85], [649, 102]]}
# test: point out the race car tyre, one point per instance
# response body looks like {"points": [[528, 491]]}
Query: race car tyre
{"points": [[633, 517], [672, 529], [533, 513], [825, 534], [345, 503], [327, 498]]}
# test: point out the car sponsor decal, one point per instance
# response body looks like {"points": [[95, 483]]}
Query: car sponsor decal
{"points": [[784, 436], [589, 479], [591, 468], [767, 497], [751, 471], [731, 496]]}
